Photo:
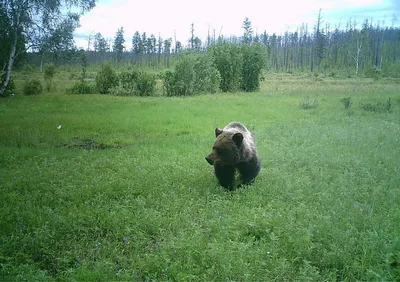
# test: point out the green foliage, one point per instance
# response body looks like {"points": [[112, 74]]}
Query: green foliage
{"points": [[82, 87], [372, 72], [193, 74], [378, 106], [106, 79], [346, 101], [28, 69], [228, 60], [21, 18], [135, 82], [119, 41], [32, 87], [392, 70], [10, 88], [207, 77], [253, 63], [308, 103], [49, 72], [248, 31], [180, 81], [145, 84]]}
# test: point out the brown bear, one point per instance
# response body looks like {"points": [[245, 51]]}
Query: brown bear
{"points": [[234, 148]]}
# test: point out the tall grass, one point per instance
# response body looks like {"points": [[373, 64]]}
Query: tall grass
{"points": [[121, 191]]}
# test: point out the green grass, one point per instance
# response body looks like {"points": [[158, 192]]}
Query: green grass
{"points": [[122, 190]]}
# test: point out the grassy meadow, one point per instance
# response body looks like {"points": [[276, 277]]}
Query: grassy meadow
{"points": [[122, 192]]}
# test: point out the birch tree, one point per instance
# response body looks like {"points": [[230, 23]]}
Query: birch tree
{"points": [[30, 22]]}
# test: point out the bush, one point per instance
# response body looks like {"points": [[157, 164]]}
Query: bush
{"points": [[372, 72], [82, 87], [377, 107], [228, 60], [49, 71], [207, 77], [184, 76], [253, 62], [169, 83], [28, 69], [135, 82], [106, 79], [346, 102], [193, 74], [10, 88], [32, 87], [307, 103], [145, 84]]}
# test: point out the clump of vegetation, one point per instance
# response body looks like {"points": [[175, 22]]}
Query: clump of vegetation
{"points": [[135, 82], [82, 87], [228, 59], [192, 75], [378, 106], [346, 101], [106, 79], [253, 62], [180, 81], [28, 69], [372, 72], [49, 72], [308, 103], [33, 87], [207, 77], [145, 84], [10, 88]]}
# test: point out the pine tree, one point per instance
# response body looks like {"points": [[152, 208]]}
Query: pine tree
{"points": [[118, 46], [248, 31]]}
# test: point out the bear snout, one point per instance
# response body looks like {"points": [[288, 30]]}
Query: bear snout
{"points": [[209, 160]]}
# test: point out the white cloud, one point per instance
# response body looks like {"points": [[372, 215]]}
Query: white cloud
{"points": [[225, 16]]}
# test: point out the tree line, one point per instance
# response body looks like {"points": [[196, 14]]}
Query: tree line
{"points": [[367, 47], [39, 32]]}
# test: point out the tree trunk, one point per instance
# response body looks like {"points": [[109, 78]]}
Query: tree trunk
{"points": [[11, 58]]}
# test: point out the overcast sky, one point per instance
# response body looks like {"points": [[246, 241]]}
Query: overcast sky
{"points": [[161, 17]]}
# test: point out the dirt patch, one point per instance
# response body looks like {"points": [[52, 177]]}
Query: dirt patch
{"points": [[88, 144]]}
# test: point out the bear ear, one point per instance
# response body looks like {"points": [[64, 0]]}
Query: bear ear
{"points": [[218, 131], [238, 138]]}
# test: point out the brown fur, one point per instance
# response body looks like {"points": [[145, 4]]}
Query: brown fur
{"points": [[234, 149]]}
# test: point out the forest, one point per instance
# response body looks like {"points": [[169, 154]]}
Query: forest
{"points": [[356, 48]]}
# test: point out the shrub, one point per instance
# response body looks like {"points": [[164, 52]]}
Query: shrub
{"points": [[372, 72], [82, 87], [10, 88], [135, 82], [253, 62], [28, 69], [32, 87], [228, 60], [192, 75], [346, 102], [145, 84], [308, 103], [169, 83], [207, 77], [106, 79], [377, 107], [49, 71]]}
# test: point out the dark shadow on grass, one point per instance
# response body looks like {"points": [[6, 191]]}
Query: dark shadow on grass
{"points": [[88, 144]]}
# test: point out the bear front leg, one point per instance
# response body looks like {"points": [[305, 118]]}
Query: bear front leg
{"points": [[225, 175], [249, 170]]}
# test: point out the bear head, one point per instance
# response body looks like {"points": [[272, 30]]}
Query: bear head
{"points": [[226, 148]]}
